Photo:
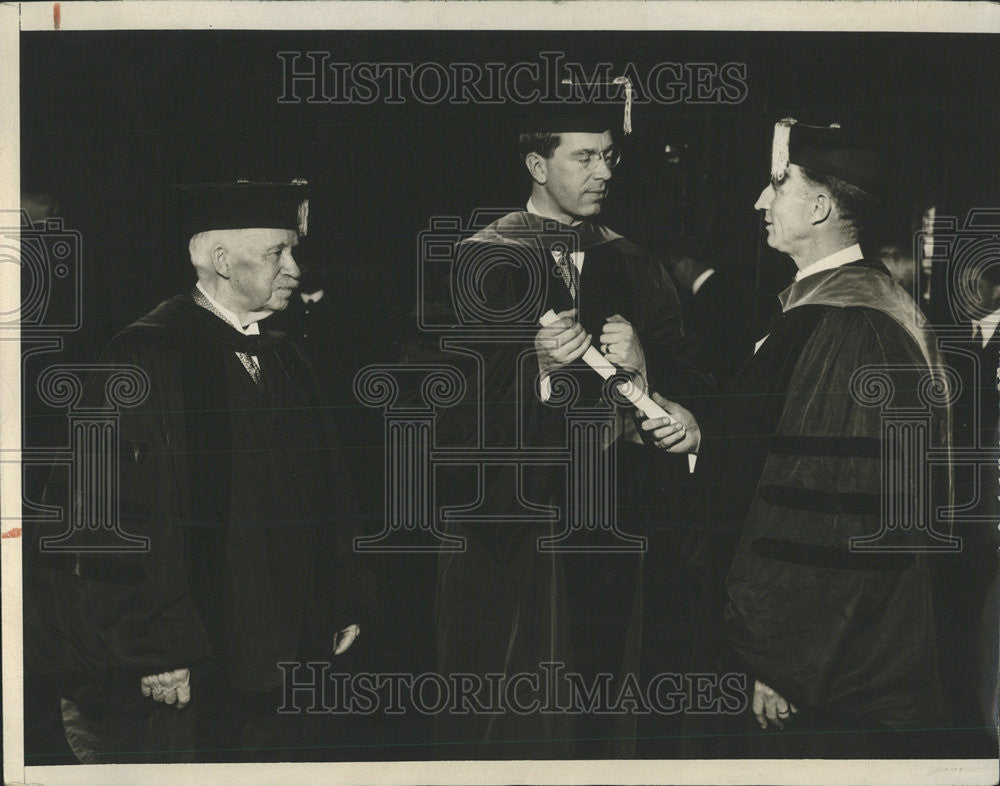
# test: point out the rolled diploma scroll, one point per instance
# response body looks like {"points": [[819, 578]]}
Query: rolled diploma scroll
{"points": [[607, 369]]}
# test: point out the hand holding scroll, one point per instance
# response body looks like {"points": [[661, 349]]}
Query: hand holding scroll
{"points": [[621, 345], [678, 433], [607, 369], [560, 341]]}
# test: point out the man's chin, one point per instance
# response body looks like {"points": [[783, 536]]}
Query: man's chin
{"points": [[280, 298], [264, 313], [278, 302]]}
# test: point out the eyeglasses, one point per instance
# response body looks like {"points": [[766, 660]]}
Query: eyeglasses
{"points": [[588, 158]]}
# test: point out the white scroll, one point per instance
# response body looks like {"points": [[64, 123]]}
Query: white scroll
{"points": [[593, 358]]}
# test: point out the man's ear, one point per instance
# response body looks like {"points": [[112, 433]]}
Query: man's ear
{"points": [[537, 168], [822, 207], [220, 260]]}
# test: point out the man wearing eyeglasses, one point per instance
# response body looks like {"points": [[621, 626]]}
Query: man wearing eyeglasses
{"points": [[829, 605], [504, 605]]}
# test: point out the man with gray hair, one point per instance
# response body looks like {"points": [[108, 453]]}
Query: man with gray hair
{"points": [[231, 469], [832, 617]]}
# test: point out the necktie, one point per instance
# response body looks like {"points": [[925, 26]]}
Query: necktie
{"points": [[250, 362], [567, 269], [252, 365], [977, 334]]}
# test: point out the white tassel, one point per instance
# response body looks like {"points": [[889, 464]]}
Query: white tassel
{"points": [[779, 147], [627, 124], [303, 217], [303, 214]]}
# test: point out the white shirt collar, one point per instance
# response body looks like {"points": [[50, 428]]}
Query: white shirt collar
{"points": [[842, 257], [988, 325], [312, 297], [253, 329], [701, 280], [576, 256]]}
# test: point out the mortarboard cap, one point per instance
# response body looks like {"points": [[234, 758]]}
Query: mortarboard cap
{"points": [[590, 107], [827, 149], [243, 205]]}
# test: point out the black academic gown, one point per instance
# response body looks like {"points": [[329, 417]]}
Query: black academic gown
{"points": [[502, 606], [793, 472], [248, 505], [717, 315]]}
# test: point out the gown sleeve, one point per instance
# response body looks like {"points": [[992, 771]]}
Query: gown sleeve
{"points": [[128, 613]]}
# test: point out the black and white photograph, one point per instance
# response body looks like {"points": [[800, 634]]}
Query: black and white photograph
{"points": [[494, 392]]}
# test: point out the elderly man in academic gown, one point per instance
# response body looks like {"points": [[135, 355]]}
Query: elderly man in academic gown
{"points": [[838, 644], [231, 468]]}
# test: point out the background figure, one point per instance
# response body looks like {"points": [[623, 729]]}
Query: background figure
{"points": [[316, 320], [39, 205], [311, 317], [972, 348], [897, 257], [323, 319], [898, 260], [714, 308], [43, 725]]}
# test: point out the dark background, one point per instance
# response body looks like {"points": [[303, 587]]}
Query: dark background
{"points": [[110, 120]]}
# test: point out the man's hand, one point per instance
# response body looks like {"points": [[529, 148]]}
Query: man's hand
{"points": [[682, 436], [770, 706], [561, 342], [170, 687], [621, 345], [345, 638]]}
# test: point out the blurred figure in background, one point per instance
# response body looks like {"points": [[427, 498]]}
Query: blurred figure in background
{"points": [[898, 260], [311, 319], [714, 310], [969, 586], [39, 205]]}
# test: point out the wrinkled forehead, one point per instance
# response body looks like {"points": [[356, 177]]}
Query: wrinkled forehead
{"points": [[261, 238]]}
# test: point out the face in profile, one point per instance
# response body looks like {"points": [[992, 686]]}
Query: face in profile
{"points": [[262, 271], [576, 175], [787, 207]]}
